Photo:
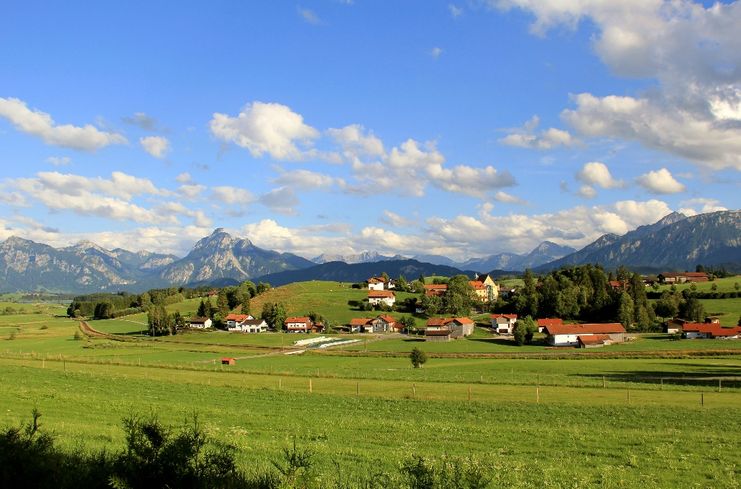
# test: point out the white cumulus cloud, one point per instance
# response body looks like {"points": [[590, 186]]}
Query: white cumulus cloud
{"points": [[266, 128], [41, 124], [156, 146], [660, 182]]}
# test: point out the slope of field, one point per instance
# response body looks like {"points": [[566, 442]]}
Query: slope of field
{"points": [[330, 299]]}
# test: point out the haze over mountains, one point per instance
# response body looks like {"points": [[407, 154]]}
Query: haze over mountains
{"points": [[675, 242]]}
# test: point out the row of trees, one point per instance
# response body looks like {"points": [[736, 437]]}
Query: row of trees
{"points": [[588, 293]]}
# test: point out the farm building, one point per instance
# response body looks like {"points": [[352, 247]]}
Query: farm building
{"points": [[683, 277], [503, 323], [710, 331], [568, 334], [200, 323], [456, 327], [380, 324], [593, 341], [250, 326], [299, 324], [438, 334], [376, 297], [228, 361], [543, 322]]}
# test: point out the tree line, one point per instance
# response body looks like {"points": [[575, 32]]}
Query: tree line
{"points": [[589, 293]]}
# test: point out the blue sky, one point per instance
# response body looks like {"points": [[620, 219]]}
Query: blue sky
{"points": [[462, 128]]}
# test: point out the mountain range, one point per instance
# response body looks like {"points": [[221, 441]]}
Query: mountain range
{"points": [[676, 242]]}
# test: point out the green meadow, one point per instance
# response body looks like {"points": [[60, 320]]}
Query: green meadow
{"points": [[632, 415]]}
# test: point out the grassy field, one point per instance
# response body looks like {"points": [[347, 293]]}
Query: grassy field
{"points": [[726, 284], [620, 441], [727, 310], [330, 299], [628, 422]]}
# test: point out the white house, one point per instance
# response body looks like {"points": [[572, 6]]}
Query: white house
{"points": [[710, 330], [299, 324], [503, 323], [233, 320], [200, 323], [250, 326], [376, 283], [376, 297], [568, 334]]}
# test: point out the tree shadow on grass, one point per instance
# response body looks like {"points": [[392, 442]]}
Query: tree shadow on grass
{"points": [[706, 376]]}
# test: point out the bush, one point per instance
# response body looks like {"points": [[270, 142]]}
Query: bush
{"points": [[417, 357]]}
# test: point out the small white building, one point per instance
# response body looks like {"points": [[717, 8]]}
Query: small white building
{"points": [[200, 323], [376, 297], [376, 283], [503, 323], [250, 326]]}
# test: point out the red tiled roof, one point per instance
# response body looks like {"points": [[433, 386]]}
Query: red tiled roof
{"points": [[463, 320], [477, 285], [359, 321], [594, 328], [695, 274], [506, 316], [594, 339], [713, 329], [438, 321], [542, 323], [237, 317], [379, 294], [376, 280], [298, 319], [387, 318]]}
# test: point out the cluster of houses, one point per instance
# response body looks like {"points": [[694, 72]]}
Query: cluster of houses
{"points": [[682, 277], [559, 334], [710, 329], [484, 288]]}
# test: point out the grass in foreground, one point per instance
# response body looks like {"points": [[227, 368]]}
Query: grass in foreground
{"points": [[529, 444]]}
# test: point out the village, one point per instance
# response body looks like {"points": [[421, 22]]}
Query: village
{"points": [[483, 292]]}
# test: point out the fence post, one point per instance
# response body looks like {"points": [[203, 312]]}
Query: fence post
{"points": [[311, 387], [604, 382], [537, 395], [414, 391], [469, 393], [628, 392], [702, 398], [280, 384], [719, 381], [662, 384], [357, 389]]}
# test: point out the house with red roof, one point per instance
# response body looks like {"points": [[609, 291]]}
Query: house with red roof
{"points": [[569, 334], [377, 283], [376, 297], [459, 327], [299, 324], [683, 277], [380, 324], [436, 290], [710, 331], [233, 320], [503, 323], [543, 322]]}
